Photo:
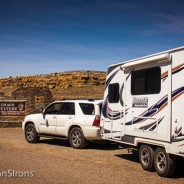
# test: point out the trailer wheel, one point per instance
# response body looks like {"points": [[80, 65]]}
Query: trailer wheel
{"points": [[164, 163], [146, 157]]}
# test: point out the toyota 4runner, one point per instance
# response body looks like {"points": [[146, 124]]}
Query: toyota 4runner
{"points": [[75, 120]]}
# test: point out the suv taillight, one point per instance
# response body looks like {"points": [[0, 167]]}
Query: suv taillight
{"points": [[96, 121]]}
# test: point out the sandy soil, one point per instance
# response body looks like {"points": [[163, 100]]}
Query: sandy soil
{"points": [[54, 161]]}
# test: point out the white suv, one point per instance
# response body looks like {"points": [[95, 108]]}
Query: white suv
{"points": [[76, 120]]}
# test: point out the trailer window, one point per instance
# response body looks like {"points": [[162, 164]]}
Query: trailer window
{"points": [[113, 93], [146, 81]]}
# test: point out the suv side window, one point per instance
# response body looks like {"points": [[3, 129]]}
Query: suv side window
{"points": [[87, 109], [53, 108], [67, 108]]}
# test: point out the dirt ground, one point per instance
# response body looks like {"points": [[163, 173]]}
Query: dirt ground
{"points": [[54, 161]]}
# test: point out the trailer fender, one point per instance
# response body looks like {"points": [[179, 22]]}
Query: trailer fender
{"points": [[155, 144]]}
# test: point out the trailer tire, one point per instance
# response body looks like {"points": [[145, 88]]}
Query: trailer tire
{"points": [[146, 157], [164, 163]]}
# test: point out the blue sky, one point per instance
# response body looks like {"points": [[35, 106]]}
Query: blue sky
{"points": [[48, 36]]}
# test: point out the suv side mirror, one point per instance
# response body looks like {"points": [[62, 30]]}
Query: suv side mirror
{"points": [[39, 110]]}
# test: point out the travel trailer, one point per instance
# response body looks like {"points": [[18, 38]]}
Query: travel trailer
{"points": [[143, 107]]}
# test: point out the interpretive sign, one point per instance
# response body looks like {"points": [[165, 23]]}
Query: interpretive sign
{"points": [[12, 108]]}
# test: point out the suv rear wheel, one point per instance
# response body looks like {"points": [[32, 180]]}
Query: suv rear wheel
{"points": [[77, 139]]}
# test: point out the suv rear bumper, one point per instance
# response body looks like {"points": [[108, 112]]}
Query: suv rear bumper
{"points": [[92, 133]]}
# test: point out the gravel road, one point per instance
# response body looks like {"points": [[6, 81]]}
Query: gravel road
{"points": [[54, 161]]}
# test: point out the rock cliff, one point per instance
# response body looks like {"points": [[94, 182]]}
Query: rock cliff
{"points": [[40, 90], [74, 84]]}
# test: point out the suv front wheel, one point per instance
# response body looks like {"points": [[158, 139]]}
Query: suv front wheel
{"points": [[77, 139], [30, 134]]}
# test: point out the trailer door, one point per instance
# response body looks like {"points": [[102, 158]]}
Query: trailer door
{"points": [[148, 100], [113, 107]]}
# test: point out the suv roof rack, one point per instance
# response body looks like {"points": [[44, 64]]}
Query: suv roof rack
{"points": [[89, 99]]}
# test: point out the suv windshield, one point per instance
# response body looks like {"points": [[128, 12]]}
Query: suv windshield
{"points": [[87, 109]]}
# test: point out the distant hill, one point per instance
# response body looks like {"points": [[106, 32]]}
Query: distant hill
{"points": [[40, 90], [79, 84]]}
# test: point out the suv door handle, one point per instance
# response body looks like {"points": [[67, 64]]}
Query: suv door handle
{"points": [[54, 117], [70, 117]]}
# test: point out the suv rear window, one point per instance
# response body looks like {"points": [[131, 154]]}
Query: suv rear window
{"points": [[87, 109]]}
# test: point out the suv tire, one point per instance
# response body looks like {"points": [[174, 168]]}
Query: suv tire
{"points": [[77, 139], [30, 134]]}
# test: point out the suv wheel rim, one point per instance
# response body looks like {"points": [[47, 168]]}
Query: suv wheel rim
{"points": [[76, 138], [30, 133], [145, 156], [161, 161]]}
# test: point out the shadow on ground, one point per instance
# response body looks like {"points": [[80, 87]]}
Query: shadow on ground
{"points": [[97, 145], [56, 142], [134, 157], [102, 145], [179, 168]]}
